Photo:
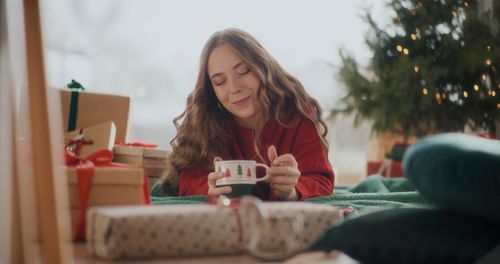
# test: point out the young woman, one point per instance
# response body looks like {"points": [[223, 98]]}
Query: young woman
{"points": [[245, 106]]}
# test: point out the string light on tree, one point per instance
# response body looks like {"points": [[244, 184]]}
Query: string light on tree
{"points": [[439, 34]]}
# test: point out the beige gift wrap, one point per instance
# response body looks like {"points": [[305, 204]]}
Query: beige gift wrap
{"points": [[153, 160], [94, 108], [276, 230]]}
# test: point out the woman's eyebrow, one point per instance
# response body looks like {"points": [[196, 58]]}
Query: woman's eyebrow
{"points": [[234, 67], [238, 64]]}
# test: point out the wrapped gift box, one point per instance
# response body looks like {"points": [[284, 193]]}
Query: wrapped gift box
{"points": [[94, 108], [110, 186], [374, 167], [153, 160], [203, 229], [91, 139]]}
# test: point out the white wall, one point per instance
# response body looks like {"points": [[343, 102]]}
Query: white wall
{"points": [[5, 138]]}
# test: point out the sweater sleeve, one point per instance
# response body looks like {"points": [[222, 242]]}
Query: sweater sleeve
{"points": [[193, 181], [317, 177]]}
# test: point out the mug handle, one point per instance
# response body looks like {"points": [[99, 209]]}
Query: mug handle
{"points": [[267, 175]]}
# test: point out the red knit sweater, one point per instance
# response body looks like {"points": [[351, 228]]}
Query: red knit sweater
{"points": [[302, 141]]}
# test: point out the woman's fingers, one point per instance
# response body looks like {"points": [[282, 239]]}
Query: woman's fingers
{"points": [[217, 158], [219, 190], [212, 189], [282, 170], [283, 174], [282, 188], [286, 159], [272, 154], [283, 180], [213, 177]]}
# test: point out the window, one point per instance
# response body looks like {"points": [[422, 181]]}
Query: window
{"points": [[149, 50]]}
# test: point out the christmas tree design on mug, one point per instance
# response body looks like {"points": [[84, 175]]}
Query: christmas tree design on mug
{"points": [[241, 181]]}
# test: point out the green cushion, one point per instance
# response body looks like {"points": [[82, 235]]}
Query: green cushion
{"points": [[457, 171], [378, 184], [413, 235]]}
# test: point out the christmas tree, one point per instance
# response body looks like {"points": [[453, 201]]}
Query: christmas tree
{"points": [[240, 171], [434, 69]]}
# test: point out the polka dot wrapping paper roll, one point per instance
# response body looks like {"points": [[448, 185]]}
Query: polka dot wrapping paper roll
{"points": [[201, 229]]}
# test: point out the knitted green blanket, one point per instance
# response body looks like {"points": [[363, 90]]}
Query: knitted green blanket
{"points": [[373, 193]]}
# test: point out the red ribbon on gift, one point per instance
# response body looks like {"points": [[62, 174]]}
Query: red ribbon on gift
{"points": [[135, 144], [79, 142], [487, 135], [234, 204], [85, 168]]}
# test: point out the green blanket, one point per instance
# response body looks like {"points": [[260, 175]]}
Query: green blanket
{"points": [[375, 193], [372, 194]]}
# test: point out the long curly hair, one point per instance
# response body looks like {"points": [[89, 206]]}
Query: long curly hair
{"points": [[201, 128]]}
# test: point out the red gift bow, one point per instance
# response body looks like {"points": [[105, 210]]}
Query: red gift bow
{"points": [[85, 168], [135, 144], [79, 142]]}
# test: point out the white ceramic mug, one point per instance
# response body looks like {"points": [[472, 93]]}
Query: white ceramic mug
{"points": [[241, 175]]}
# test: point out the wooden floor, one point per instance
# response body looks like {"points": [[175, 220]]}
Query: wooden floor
{"points": [[335, 257]]}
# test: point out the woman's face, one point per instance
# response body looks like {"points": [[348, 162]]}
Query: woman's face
{"points": [[235, 85]]}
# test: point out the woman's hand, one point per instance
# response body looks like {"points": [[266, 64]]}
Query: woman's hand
{"points": [[214, 176], [283, 174]]}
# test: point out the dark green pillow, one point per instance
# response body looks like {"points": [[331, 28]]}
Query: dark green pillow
{"points": [[413, 235], [379, 184], [457, 171]]}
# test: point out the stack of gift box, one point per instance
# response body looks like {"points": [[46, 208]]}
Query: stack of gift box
{"points": [[391, 166], [94, 122], [147, 156], [385, 152]]}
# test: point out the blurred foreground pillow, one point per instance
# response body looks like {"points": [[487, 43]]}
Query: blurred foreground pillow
{"points": [[457, 171], [413, 235]]}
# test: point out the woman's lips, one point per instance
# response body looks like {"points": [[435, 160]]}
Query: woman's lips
{"points": [[242, 101]]}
